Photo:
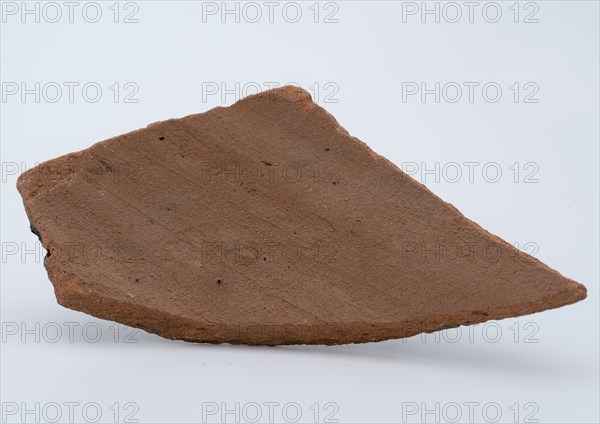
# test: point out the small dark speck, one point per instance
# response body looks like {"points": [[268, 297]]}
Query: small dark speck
{"points": [[219, 281], [484, 313], [267, 163], [326, 149], [358, 220], [137, 280], [264, 259], [161, 138]]}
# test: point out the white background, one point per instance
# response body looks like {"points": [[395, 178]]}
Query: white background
{"points": [[544, 366]]}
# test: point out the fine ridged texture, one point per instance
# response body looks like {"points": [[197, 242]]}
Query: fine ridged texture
{"points": [[267, 223]]}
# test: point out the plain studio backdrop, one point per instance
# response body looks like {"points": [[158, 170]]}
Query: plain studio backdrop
{"points": [[492, 105]]}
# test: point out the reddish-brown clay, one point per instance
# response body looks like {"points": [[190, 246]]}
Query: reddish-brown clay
{"points": [[267, 223]]}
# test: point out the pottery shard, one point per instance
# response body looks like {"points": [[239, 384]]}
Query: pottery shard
{"points": [[267, 223]]}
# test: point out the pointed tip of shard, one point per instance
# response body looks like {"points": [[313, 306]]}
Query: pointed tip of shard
{"points": [[267, 223]]}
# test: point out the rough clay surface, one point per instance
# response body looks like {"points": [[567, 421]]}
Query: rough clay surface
{"points": [[267, 223]]}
